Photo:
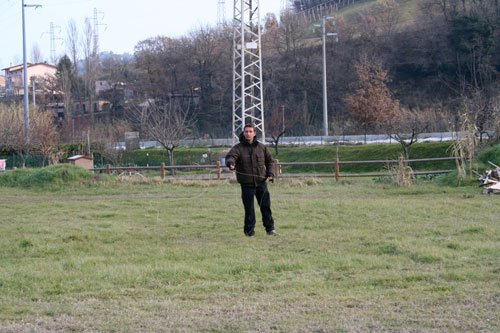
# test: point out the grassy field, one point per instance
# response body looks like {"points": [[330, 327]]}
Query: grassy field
{"points": [[353, 256]]}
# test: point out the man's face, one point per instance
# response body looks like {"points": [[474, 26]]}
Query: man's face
{"points": [[249, 134]]}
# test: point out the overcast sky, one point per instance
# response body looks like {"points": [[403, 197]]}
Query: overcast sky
{"points": [[122, 23]]}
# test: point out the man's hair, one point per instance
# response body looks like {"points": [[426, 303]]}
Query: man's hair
{"points": [[250, 125]]}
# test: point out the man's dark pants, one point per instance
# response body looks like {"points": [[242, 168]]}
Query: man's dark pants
{"points": [[263, 199]]}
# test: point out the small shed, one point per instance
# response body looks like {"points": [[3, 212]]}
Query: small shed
{"points": [[85, 162]]}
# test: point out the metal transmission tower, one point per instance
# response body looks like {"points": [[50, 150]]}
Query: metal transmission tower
{"points": [[248, 100], [221, 12], [95, 28], [53, 57]]}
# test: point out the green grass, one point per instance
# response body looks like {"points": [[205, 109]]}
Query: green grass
{"points": [[351, 256], [364, 153]]}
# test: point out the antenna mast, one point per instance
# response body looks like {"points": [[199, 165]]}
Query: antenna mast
{"points": [[248, 99]]}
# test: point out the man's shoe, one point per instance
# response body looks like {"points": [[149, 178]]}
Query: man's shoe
{"points": [[250, 234], [272, 233]]}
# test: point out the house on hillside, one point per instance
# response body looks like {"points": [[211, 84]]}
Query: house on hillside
{"points": [[101, 86], [2, 86], [14, 77], [97, 107]]}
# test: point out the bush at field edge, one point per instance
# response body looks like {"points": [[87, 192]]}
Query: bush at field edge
{"points": [[60, 174]]}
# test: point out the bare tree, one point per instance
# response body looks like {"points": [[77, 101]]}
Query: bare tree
{"points": [[104, 138], [210, 69], [381, 19], [158, 61], [45, 136], [36, 54], [65, 83], [413, 122], [292, 57], [72, 42], [12, 130], [91, 65], [276, 125], [120, 72], [483, 110], [165, 122]]}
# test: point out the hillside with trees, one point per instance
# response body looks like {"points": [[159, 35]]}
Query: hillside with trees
{"points": [[440, 58]]}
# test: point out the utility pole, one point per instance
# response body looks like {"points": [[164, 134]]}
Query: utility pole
{"points": [[33, 83], [325, 96], [283, 118], [248, 98], [25, 78]]}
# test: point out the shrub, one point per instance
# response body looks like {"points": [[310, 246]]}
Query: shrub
{"points": [[491, 154], [453, 179], [54, 175]]}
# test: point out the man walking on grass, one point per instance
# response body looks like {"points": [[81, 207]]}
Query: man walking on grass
{"points": [[253, 164]]}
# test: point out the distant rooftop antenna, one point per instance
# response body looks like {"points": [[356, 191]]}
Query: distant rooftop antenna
{"points": [[221, 12]]}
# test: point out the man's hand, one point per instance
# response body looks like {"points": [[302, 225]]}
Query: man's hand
{"points": [[270, 179], [231, 167]]}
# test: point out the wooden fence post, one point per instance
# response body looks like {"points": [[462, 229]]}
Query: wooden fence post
{"points": [[277, 168], [337, 169], [108, 169], [162, 170], [219, 169]]}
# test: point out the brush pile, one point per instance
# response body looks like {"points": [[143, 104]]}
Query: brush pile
{"points": [[490, 180]]}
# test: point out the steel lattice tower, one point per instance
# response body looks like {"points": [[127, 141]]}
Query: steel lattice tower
{"points": [[221, 12], [248, 100]]}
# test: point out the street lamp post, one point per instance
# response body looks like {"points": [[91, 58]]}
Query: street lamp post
{"points": [[25, 82], [325, 94], [25, 78]]}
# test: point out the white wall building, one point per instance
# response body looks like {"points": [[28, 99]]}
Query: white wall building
{"points": [[14, 83]]}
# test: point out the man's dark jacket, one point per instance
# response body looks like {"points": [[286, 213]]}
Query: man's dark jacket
{"points": [[253, 162]]}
